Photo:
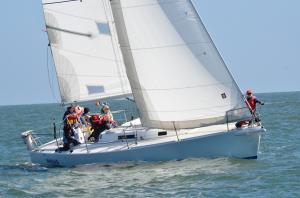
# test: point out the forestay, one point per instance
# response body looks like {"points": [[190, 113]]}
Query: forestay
{"points": [[85, 49], [176, 74]]}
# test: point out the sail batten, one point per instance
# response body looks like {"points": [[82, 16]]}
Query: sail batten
{"points": [[84, 45], [177, 76]]}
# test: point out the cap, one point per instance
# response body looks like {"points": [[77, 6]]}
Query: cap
{"points": [[105, 107], [249, 91]]}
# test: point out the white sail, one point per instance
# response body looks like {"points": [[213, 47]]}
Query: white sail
{"points": [[176, 74], [85, 49]]}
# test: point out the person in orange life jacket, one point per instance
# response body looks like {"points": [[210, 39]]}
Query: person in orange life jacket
{"points": [[69, 110], [251, 101], [71, 119]]}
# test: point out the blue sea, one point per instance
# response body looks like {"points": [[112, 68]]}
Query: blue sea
{"points": [[276, 172]]}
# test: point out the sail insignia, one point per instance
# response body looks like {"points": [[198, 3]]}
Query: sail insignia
{"points": [[224, 96]]}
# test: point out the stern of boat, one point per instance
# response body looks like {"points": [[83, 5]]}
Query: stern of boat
{"points": [[29, 140]]}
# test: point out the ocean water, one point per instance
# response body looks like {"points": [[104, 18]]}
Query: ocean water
{"points": [[276, 172]]}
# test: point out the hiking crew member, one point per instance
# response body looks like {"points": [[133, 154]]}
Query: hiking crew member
{"points": [[101, 122], [251, 101], [71, 121]]}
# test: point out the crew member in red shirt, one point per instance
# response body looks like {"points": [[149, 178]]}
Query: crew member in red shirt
{"points": [[251, 101]]}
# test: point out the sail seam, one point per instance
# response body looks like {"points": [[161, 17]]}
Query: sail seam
{"points": [[165, 46], [82, 54], [109, 95], [97, 97], [75, 16], [153, 4], [188, 87], [197, 109], [92, 76]]}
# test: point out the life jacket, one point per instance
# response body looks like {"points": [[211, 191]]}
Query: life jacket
{"points": [[95, 119], [106, 117], [251, 103], [242, 123], [72, 119]]}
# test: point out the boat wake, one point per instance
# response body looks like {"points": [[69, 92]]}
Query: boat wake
{"points": [[27, 166]]}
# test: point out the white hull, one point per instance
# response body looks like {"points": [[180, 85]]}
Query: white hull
{"points": [[240, 143]]}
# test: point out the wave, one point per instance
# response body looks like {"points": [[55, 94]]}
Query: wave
{"points": [[27, 166]]}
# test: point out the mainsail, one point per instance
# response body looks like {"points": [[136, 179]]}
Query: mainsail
{"points": [[177, 76], [85, 49]]}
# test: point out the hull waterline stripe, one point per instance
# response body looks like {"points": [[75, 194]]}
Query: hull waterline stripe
{"points": [[253, 157]]}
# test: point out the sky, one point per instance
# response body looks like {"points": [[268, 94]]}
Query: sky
{"points": [[258, 40]]}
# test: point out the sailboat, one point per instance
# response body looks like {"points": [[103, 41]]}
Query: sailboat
{"points": [[158, 52]]}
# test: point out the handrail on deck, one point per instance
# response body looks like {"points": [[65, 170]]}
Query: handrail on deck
{"points": [[253, 116], [39, 134], [125, 136]]}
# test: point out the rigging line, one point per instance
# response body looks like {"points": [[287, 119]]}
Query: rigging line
{"points": [[50, 80], [115, 38], [47, 127], [113, 46], [56, 2]]}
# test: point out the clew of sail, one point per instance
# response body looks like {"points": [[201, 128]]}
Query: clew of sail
{"points": [[87, 58], [177, 76]]}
